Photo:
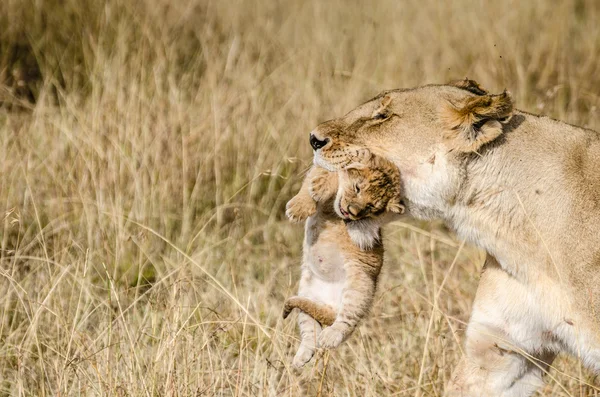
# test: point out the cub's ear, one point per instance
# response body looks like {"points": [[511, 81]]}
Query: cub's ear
{"points": [[361, 155], [476, 121], [469, 85], [353, 169], [395, 206], [355, 166]]}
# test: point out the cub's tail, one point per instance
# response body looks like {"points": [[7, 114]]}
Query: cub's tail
{"points": [[324, 314]]}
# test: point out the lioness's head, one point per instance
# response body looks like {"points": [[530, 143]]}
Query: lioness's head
{"points": [[421, 130], [461, 115], [368, 190]]}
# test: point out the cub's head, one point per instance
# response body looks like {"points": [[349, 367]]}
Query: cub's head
{"points": [[368, 190]]}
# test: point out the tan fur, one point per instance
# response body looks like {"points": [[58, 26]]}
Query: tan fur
{"points": [[526, 189], [476, 121], [338, 277], [324, 314], [369, 190], [470, 85]]}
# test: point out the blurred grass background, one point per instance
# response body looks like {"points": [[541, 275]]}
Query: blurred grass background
{"points": [[148, 148]]}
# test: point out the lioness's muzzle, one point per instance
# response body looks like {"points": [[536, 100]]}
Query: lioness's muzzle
{"points": [[316, 143]]}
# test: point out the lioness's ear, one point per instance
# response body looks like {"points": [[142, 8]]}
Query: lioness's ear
{"points": [[469, 85], [383, 105], [476, 121]]}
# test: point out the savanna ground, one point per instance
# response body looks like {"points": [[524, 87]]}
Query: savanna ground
{"points": [[148, 148]]}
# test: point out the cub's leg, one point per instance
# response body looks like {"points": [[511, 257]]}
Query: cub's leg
{"points": [[309, 327], [318, 185], [323, 184], [357, 299], [504, 355], [309, 331], [301, 206]]}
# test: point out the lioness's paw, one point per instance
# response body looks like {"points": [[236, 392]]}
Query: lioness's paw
{"points": [[303, 355], [299, 208], [331, 337], [320, 187]]}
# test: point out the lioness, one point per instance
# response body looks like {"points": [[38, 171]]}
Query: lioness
{"points": [[525, 188], [338, 276]]}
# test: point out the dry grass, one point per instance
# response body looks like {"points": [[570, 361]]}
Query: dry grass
{"points": [[144, 249]]}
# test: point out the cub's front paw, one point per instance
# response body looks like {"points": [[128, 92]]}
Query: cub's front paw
{"points": [[331, 337], [299, 208], [320, 187]]}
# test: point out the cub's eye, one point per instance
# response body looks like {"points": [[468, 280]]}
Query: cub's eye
{"points": [[356, 189], [381, 116]]}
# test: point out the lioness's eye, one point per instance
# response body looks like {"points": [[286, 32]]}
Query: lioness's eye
{"points": [[380, 116], [356, 189]]}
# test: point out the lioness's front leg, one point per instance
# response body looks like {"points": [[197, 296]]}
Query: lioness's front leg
{"points": [[497, 362]]}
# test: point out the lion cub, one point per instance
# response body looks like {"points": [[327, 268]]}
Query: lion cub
{"points": [[338, 276]]}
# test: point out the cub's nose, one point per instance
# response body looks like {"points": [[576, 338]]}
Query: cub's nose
{"points": [[354, 210], [316, 143]]}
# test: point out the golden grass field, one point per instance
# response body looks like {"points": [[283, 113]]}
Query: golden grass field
{"points": [[148, 148]]}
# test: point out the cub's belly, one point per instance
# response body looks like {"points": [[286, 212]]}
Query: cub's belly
{"points": [[325, 253], [325, 244], [326, 262], [327, 275], [326, 292]]}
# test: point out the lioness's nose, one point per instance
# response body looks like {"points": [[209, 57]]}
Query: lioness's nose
{"points": [[316, 143]]}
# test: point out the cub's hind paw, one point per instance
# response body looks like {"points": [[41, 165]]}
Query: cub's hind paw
{"points": [[299, 208], [303, 355], [331, 337]]}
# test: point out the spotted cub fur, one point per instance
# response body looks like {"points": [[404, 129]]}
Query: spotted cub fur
{"points": [[338, 276]]}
